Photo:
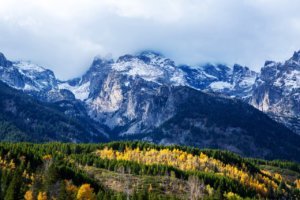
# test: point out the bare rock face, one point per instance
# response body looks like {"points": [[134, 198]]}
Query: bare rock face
{"points": [[277, 91], [130, 95]]}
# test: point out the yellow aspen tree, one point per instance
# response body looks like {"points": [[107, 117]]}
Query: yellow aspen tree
{"points": [[187, 161], [85, 192], [28, 195], [42, 196], [232, 196]]}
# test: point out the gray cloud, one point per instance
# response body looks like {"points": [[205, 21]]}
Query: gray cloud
{"points": [[66, 35]]}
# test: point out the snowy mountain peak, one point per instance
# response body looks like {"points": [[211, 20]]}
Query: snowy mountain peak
{"points": [[296, 56], [150, 54], [100, 61], [3, 61], [269, 63], [31, 78], [239, 68], [125, 58], [29, 66], [294, 61], [2, 58], [277, 91]]}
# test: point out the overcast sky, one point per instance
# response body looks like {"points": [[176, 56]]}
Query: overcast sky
{"points": [[65, 35]]}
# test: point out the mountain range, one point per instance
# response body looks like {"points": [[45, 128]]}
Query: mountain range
{"points": [[148, 97]]}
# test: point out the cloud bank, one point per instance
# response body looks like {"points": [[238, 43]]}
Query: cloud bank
{"points": [[65, 35]]}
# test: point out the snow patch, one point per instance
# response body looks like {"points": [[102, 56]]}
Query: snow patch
{"points": [[220, 85], [248, 81], [137, 67], [28, 66], [80, 92], [178, 79], [30, 88]]}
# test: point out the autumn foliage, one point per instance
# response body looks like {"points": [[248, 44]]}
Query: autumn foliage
{"points": [[85, 192], [189, 162]]}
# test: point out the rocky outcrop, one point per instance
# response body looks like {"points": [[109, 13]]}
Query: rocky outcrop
{"points": [[277, 91]]}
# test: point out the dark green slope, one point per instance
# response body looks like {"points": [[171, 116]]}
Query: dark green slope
{"points": [[209, 121], [22, 118]]}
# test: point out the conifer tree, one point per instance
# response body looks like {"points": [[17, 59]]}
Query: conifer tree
{"points": [[62, 195], [13, 190]]}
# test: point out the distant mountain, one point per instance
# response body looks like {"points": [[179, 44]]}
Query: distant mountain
{"points": [[147, 96], [234, 82], [32, 79]]}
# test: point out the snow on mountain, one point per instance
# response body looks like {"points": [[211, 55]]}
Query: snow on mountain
{"points": [[80, 92], [220, 85], [277, 91], [28, 66], [32, 79], [137, 67], [120, 93], [151, 67], [235, 82], [103, 85], [25, 75]]}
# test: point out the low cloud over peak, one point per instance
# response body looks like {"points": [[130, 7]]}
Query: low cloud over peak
{"points": [[66, 35]]}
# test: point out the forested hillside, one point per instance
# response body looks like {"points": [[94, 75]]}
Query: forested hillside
{"points": [[23, 118], [135, 170]]}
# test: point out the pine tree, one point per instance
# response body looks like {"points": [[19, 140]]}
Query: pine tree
{"points": [[219, 193], [4, 183], [62, 195], [0, 183], [100, 195], [13, 190], [51, 175]]}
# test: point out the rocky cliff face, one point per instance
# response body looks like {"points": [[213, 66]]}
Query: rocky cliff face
{"points": [[234, 82], [210, 121], [126, 95], [277, 91]]}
